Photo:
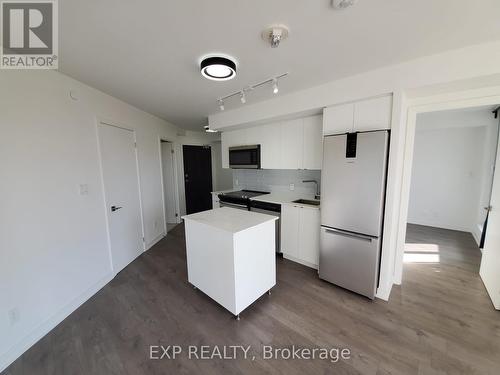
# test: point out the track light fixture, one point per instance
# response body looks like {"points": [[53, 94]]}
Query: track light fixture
{"points": [[208, 130], [221, 104], [242, 93]]}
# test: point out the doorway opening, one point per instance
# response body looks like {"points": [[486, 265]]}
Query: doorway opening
{"points": [[197, 162], [452, 175], [169, 185]]}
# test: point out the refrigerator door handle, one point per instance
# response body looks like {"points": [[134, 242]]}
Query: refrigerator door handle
{"points": [[348, 234]]}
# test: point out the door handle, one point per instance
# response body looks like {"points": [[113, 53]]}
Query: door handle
{"points": [[488, 208], [347, 234], [115, 208]]}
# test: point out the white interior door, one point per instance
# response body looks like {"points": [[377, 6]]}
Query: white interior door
{"points": [[121, 190], [168, 181], [490, 262]]}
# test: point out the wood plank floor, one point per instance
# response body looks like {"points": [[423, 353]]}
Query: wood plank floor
{"points": [[439, 322]]}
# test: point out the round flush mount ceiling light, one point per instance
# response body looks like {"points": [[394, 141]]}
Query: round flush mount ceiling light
{"points": [[218, 68]]}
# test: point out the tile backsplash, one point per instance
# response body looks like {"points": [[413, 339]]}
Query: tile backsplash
{"points": [[276, 180]]}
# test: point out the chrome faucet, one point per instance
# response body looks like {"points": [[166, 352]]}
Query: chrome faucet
{"points": [[317, 196]]}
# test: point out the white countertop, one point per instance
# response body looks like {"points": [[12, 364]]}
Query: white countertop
{"points": [[230, 219], [284, 198]]}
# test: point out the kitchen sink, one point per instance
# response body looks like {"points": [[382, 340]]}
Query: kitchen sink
{"points": [[307, 201]]}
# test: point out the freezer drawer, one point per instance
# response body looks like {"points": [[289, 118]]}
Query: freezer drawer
{"points": [[349, 260]]}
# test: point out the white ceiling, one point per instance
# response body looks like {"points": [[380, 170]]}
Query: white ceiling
{"points": [[457, 118], [146, 52]]}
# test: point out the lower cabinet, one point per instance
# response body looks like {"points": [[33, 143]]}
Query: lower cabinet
{"points": [[300, 229]]}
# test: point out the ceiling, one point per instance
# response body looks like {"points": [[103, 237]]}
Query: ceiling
{"points": [[147, 52], [457, 118]]}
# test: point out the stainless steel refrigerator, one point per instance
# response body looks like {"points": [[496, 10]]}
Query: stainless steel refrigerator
{"points": [[353, 181]]}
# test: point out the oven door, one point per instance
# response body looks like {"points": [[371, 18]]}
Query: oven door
{"points": [[233, 205], [244, 157]]}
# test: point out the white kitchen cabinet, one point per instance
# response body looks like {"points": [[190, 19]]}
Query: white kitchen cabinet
{"points": [[227, 140], [231, 255], [373, 114], [290, 230], [312, 143], [309, 235], [292, 144], [270, 146], [364, 115], [300, 230], [252, 136], [338, 119]]}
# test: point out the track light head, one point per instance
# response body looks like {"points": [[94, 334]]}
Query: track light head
{"points": [[275, 86], [243, 97], [221, 104]]}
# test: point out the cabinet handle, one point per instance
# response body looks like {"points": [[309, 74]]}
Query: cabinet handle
{"points": [[351, 235]]}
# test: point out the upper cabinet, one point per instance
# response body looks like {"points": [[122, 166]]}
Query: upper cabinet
{"points": [[365, 115], [312, 143], [291, 144], [373, 114], [338, 119]]}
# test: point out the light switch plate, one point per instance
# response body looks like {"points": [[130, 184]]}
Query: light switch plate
{"points": [[14, 316], [84, 189], [292, 187]]}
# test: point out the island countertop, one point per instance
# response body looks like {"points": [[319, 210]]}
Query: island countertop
{"points": [[230, 219]]}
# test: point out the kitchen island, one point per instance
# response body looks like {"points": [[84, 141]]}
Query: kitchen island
{"points": [[231, 255]]}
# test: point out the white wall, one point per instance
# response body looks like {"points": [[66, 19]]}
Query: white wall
{"points": [[447, 177], [170, 191], [454, 154], [53, 242], [488, 171]]}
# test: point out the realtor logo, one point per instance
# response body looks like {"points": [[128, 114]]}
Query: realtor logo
{"points": [[29, 34]]}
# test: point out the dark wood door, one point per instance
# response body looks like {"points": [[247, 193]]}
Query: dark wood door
{"points": [[197, 178]]}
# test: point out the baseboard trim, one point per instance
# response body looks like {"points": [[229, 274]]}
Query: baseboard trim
{"points": [[300, 261], [440, 226], [157, 239], [384, 294], [7, 358]]}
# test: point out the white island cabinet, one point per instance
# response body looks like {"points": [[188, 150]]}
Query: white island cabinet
{"points": [[231, 255]]}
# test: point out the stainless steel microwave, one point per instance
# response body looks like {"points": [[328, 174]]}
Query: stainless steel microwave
{"points": [[244, 157]]}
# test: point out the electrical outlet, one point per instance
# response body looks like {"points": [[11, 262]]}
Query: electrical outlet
{"points": [[292, 187], [14, 316]]}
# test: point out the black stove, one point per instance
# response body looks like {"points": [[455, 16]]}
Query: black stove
{"points": [[241, 197]]}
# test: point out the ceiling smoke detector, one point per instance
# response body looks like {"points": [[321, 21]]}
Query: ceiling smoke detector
{"points": [[343, 4], [275, 34]]}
